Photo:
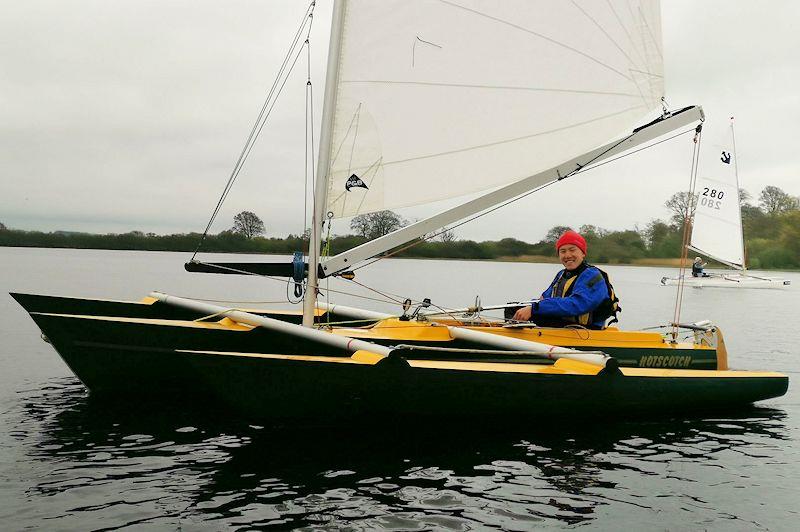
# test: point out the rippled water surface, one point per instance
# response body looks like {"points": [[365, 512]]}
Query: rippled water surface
{"points": [[70, 463]]}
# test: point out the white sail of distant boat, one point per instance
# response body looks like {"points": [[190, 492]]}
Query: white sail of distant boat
{"points": [[717, 223]]}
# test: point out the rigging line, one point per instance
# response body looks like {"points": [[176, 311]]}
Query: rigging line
{"points": [[306, 20], [496, 207], [309, 127], [252, 145], [264, 121], [686, 223], [331, 324], [314, 168], [311, 156], [242, 155], [583, 169], [305, 152], [627, 154], [307, 17], [475, 217], [282, 280], [400, 299], [541, 36], [387, 296]]}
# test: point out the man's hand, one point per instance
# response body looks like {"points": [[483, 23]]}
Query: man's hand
{"points": [[523, 314]]}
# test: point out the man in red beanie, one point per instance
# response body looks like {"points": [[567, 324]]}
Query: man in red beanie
{"points": [[580, 294]]}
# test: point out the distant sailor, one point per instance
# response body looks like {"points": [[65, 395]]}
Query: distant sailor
{"points": [[580, 294], [697, 268]]}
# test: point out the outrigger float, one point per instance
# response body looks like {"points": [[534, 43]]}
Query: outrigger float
{"points": [[417, 109]]}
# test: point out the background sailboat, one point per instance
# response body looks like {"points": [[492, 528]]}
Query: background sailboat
{"points": [[717, 231]]}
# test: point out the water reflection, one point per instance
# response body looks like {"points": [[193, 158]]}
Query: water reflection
{"points": [[94, 466]]}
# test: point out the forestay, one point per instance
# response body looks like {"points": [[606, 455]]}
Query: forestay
{"points": [[717, 226], [437, 99]]}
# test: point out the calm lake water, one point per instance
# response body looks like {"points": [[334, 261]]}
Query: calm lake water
{"points": [[68, 463]]}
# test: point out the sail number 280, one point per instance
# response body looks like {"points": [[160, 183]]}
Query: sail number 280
{"points": [[710, 197]]}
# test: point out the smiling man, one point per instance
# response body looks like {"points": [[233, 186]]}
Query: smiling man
{"points": [[580, 294]]}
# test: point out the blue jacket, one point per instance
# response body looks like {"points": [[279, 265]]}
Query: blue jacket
{"points": [[588, 292]]}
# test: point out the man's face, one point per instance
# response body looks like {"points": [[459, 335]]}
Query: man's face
{"points": [[570, 256]]}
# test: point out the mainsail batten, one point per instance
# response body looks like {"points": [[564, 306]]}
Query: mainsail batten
{"points": [[489, 92]]}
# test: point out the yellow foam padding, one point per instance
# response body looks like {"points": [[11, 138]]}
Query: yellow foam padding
{"points": [[586, 337], [367, 357], [147, 300], [229, 323], [395, 329], [576, 368]]}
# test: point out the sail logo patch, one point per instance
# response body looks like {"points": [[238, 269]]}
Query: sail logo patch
{"points": [[726, 157], [354, 181]]}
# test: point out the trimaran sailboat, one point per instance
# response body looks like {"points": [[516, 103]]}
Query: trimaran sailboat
{"points": [[422, 99], [717, 231]]}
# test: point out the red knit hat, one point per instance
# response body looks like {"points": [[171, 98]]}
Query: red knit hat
{"points": [[571, 237]]}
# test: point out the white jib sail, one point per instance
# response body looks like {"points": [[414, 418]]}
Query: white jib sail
{"points": [[717, 227], [440, 98]]}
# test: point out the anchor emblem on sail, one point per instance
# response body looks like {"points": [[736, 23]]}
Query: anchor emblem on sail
{"points": [[726, 157], [354, 181]]}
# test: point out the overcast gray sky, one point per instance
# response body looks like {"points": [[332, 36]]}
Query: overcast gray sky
{"points": [[120, 115]]}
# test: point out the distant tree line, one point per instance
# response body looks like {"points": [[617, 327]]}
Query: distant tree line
{"points": [[772, 237], [771, 228]]}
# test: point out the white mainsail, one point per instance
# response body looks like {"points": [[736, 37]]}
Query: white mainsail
{"points": [[717, 225], [438, 98]]}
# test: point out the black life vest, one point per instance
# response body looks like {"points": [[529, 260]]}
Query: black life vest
{"points": [[609, 308]]}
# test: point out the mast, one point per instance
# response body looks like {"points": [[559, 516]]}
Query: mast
{"points": [[736, 173], [323, 162]]}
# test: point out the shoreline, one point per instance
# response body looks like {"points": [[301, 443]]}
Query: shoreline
{"points": [[531, 259]]}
